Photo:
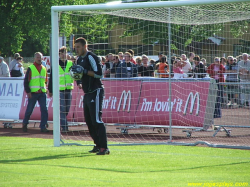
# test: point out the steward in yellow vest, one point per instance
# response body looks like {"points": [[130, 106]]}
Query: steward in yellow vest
{"points": [[38, 79], [35, 87], [65, 80], [66, 85]]}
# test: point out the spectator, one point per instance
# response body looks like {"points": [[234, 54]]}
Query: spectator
{"points": [[35, 88], [117, 62], [223, 61], [120, 54], [172, 65], [232, 76], [66, 85], [108, 65], [177, 68], [131, 51], [238, 58], [160, 54], [216, 71], [199, 69], [162, 67], [44, 64], [235, 60], [186, 66], [191, 59], [4, 68], [152, 63], [138, 61], [102, 60], [126, 69], [244, 68], [18, 70], [145, 70], [14, 61], [204, 61]]}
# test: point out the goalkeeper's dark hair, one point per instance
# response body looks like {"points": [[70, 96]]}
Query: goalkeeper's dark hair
{"points": [[81, 40]]}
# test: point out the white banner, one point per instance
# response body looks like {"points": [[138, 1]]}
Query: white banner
{"points": [[11, 92]]}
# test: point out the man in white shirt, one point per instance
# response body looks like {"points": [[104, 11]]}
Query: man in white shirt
{"points": [[244, 68], [4, 68], [186, 68]]}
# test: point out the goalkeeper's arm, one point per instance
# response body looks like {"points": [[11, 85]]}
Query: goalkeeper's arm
{"points": [[97, 68]]}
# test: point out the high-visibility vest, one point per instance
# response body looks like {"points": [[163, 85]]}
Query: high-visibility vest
{"points": [[65, 80], [38, 80]]}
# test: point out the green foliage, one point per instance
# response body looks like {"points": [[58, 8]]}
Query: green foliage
{"points": [[26, 25], [182, 35], [239, 28]]}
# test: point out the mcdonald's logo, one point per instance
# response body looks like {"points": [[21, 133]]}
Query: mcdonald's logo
{"points": [[125, 96], [193, 99]]}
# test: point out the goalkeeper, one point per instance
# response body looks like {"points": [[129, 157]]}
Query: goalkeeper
{"points": [[93, 88], [66, 85]]}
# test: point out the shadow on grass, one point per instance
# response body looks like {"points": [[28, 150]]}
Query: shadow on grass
{"points": [[63, 156], [43, 158]]}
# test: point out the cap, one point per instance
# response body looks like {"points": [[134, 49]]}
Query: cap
{"points": [[1, 57], [160, 53]]}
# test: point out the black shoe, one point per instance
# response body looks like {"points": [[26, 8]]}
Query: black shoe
{"points": [[47, 125], [94, 150], [25, 127], [44, 130], [103, 151]]}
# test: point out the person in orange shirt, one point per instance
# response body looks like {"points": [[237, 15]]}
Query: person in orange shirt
{"points": [[216, 71], [162, 67]]}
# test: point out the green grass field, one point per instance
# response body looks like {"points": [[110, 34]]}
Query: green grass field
{"points": [[35, 162]]}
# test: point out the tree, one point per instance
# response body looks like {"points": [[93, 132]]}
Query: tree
{"points": [[26, 25]]}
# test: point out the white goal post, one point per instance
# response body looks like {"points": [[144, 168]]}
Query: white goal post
{"points": [[55, 18]]}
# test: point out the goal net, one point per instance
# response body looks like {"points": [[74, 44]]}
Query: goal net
{"points": [[163, 107]]}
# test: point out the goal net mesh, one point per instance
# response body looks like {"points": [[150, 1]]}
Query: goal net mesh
{"points": [[136, 110]]}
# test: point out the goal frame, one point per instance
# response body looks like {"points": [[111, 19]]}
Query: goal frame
{"points": [[55, 10]]}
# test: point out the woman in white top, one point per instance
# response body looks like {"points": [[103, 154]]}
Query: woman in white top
{"points": [[19, 66]]}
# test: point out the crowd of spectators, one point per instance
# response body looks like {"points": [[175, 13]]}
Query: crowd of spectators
{"points": [[229, 71], [124, 65]]}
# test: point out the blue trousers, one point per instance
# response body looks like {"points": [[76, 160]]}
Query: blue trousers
{"points": [[41, 98], [65, 102], [217, 109]]}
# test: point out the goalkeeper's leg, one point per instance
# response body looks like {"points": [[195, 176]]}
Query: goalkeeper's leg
{"points": [[96, 126]]}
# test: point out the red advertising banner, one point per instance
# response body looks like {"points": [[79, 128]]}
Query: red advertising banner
{"points": [[140, 102], [119, 104], [121, 101], [188, 103], [36, 115]]}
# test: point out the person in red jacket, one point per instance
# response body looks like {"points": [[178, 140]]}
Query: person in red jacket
{"points": [[216, 71]]}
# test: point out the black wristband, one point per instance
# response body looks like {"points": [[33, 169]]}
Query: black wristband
{"points": [[85, 71]]}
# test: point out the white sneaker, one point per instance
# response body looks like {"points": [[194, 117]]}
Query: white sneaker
{"points": [[229, 104]]}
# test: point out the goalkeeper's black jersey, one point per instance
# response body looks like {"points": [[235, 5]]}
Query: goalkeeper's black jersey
{"points": [[92, 63]]}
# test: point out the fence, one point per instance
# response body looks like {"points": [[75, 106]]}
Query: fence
{"points": [[141, 114]]}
